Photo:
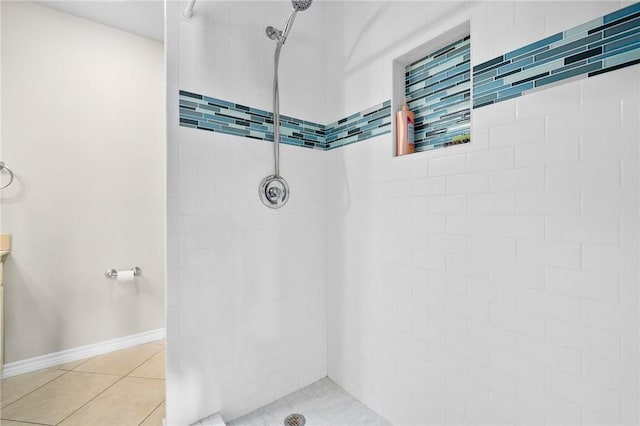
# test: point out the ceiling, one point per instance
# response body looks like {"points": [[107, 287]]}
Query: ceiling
{"points": [[144, 18]]}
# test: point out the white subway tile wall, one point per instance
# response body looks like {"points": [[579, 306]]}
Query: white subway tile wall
{"points": [[517, 307], [249, 310]]}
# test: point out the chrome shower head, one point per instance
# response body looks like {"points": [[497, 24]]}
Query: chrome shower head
{"points": [[300, 5], [281, 35]]}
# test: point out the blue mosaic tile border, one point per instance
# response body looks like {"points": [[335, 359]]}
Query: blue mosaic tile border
{"points": [[360, 126], [438, 90], [604, 44], [216, 115]]}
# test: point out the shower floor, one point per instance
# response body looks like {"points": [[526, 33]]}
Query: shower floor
{"points": [[323, 403]]}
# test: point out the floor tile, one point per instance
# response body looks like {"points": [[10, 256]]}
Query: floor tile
{"points": [[12, 423], [16, 387], [128, 402], [155, 418], [54, 401], [120, 362], [152, 369], [323, 403]]}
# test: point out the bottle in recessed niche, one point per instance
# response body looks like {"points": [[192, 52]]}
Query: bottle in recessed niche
{"points": [[405, 139]]}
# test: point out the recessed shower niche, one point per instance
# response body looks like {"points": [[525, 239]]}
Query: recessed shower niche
{"points": [[435, 81]]}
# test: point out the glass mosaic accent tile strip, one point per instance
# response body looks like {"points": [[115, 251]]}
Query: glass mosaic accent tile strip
{"points": [[216, 115], [598, 46], [360, 126], [438, 91]]}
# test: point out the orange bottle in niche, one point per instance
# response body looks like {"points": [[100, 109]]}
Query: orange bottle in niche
{"points": [[405, 139]]}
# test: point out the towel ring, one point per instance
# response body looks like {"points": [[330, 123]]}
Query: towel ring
{"points": [[3, 167]]}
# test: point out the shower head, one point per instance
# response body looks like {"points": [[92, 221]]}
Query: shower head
{"points": [[281, 35], [300, 5]]}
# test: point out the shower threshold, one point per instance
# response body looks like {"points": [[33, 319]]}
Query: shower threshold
{"points": [[322, 403]]}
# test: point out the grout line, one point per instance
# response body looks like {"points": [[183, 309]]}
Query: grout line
{"points": [[44, 384], [108, 387], [145, 378], [92, 372], [129, 371], [25, 422], [64, 373], [82, 362], [95, 397], [152, 411], [99, 393], [145, 361]]}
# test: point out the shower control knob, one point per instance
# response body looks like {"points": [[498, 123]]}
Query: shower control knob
{"points": [[274, 191]]}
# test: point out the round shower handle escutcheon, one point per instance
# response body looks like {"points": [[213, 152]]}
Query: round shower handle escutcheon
{"points": [[274, 191]]}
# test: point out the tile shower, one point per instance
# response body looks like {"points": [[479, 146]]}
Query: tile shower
{"points": [[490, 282]]}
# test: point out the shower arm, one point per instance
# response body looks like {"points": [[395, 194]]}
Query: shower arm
{"points": [[287, 26], [281, 39], [276, 112]]}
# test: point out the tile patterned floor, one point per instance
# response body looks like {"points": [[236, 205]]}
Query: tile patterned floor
{"points": [[323, 403], [120, 388]]}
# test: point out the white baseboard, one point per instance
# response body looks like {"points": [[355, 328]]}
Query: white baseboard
{"points": [[45, 361]]}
